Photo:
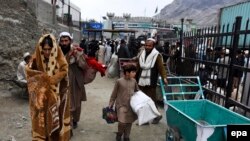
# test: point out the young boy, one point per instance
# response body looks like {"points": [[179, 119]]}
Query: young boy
{"points": [[124, 88]]}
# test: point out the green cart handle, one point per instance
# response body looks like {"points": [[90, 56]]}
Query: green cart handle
{"points": [[198, 84]]}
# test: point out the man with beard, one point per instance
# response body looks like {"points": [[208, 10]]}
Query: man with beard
{"points": [[77, 64], [150, 66]]}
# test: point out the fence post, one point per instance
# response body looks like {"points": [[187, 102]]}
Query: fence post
{"points": [[236, 36], [53, 12], [181, 36], [68, 18], [80, 21]]}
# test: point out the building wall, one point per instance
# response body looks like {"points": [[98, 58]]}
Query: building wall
{"points": [[143, 25], [228, 14], [45, 18], [228, 17]]}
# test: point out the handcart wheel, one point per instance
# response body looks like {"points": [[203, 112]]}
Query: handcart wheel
{"points": [[173, 134]]}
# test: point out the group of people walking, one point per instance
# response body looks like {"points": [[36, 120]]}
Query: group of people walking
{"points": [[56, 89]]}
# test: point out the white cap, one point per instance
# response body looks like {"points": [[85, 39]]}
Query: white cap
{"points": [[26, 54], [227, 51], [142, 42], [151, 39], [65, 34]]}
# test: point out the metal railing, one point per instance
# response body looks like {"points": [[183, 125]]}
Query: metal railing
{"points": [[68, 14], [219, 55]]}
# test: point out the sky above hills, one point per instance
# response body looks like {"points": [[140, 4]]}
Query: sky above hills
{"points": [[96, 9]]}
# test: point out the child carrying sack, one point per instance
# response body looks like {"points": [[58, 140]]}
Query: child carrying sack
{"points": [[109, 115], [144, 107]]}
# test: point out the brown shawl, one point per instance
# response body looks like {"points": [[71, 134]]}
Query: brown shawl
{"points": [[48, 91]]}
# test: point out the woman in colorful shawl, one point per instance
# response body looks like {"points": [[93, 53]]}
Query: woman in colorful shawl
{"points": [[48, 92]]}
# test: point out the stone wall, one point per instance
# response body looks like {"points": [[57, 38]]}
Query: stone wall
{"points": [[44, 12], [45, 19], [18, 33], [22, 22]]}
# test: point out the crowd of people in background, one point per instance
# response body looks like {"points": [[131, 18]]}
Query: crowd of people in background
{"points": [[212, 64]]}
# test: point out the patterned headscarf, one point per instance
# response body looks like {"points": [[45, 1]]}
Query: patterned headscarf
{"points": [[52, 67]]}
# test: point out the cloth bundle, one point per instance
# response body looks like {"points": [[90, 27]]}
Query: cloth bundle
{"points": [[109, 115], [144, 107]]}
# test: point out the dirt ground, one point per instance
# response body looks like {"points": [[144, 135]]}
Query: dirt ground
{"points": [[15, 122]]}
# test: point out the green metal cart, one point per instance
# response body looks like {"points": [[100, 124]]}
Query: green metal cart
{"points": [[190, 117]]}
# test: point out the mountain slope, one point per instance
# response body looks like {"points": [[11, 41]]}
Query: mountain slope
{"points": [[203, 12]]}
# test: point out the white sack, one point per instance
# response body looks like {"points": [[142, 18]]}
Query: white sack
{"points": [[144, 107]]}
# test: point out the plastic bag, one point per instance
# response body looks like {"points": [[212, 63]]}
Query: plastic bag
{"points": [[109, 115]]}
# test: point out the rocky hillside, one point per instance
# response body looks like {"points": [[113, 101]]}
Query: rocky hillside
{"points": [[18, 34], [203, 12]]}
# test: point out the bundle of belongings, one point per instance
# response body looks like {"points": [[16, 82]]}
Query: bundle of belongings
{"points": [[109, 115], [144, 107], [92, 66]]}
